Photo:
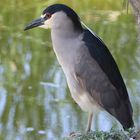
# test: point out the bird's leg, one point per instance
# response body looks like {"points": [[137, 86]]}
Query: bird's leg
{"points": [[90, 115], [73, 134]]}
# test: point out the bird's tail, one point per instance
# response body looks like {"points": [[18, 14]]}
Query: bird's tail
{"points": [[124, 114]]}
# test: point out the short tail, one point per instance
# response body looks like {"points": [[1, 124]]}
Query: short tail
{"points": [[123, 114]]}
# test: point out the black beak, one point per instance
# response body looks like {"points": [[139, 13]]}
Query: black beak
{"points": [[35, 23]]}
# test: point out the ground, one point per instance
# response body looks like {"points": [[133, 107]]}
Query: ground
{"points": [[101, 135]]}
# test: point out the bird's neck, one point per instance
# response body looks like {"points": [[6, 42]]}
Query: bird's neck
{"points": [[64, 33], [65, 45], [63, 39]]}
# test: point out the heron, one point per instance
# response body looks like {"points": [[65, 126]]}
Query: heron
{"points": [[92, 75]]}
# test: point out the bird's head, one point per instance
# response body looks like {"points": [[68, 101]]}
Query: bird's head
{"points": [[57, 16]]}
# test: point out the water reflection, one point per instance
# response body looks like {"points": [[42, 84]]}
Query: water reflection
{"points": [[34, 99]]}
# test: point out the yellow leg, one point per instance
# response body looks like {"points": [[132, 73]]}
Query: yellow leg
{"points": [[89, 122]]}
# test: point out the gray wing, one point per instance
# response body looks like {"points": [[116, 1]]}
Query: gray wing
{"points": [[99, 74]]}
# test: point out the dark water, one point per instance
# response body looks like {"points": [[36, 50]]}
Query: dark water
{"points": [[35, 103]]}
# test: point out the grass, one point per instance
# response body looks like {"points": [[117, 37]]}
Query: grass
{"points": [[101, 135]]}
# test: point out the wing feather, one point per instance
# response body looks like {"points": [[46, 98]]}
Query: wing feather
{"points": [[104, 83]]}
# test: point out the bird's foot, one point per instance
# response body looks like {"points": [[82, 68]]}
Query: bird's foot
{"points": [[74, 134], [88, 130]]}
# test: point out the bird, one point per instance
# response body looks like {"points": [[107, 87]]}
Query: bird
{"points": [[92, 75]]}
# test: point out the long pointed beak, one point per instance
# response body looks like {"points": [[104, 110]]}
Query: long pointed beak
{"points": [[35, 23]]}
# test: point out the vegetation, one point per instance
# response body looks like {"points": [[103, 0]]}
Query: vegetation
{"points": [[101, 135]]}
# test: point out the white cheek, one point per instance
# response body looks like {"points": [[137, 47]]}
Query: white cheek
{"points": [[44, 26], [47, 24]]}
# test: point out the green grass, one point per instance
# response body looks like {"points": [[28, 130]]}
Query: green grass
{"points": [[101, 135]]}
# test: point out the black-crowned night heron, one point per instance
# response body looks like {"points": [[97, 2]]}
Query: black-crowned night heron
{"points": [[92, 75]]}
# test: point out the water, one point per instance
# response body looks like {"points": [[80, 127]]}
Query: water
{"points": [[35, 102]]}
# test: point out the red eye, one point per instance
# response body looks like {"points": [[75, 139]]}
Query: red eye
{"points": [[48, 15]]}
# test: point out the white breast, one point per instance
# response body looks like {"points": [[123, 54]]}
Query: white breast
{"points": [[66, 49], [67, 52]]}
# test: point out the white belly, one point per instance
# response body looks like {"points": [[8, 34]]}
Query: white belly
{"points": [[81, 97], [84, 102]]}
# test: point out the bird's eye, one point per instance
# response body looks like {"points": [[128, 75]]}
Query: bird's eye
{"points": [[48, 15]]}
